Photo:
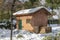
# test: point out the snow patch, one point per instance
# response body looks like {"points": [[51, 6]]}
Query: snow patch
{"points": [[5, 34]]}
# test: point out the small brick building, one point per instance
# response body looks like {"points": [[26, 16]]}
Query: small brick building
{"points": [[35, 19]]}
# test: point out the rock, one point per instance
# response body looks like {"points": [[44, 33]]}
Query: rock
{"points": [[45, 30]]}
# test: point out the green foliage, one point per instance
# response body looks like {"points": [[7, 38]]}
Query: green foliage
{"points": [[47, 38], [56, 37], [32, 1], [56, 1], [53, 3], [5, 9], [4, 15], [19, 36], [48, 1], [27, 5]]}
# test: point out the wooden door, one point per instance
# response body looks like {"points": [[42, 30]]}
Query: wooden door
{"points": [[20, 24]]}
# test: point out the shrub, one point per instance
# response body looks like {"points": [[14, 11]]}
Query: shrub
{"points": [[56, 37], [19, 36], [47, 38]]}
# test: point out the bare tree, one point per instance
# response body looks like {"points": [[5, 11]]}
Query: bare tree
{"points": [[12, 10]]}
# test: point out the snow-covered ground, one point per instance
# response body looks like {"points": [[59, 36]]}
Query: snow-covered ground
{"points": [[25, 35], [5, 35]]}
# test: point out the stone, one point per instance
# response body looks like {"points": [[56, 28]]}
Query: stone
{"points": [[45, 30]]}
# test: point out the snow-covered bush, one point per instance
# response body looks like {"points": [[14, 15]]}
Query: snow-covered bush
{"points": [[47, 38], [57, 37], [19, 36]]}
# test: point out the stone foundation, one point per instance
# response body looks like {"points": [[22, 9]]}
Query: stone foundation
{"points": [[42, 29], [45, 30]]}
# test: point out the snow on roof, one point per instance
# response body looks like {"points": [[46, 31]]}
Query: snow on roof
{"points": [[27, 11]]}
